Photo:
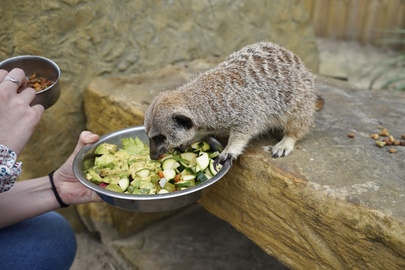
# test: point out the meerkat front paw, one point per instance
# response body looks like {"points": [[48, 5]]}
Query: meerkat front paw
{"points": [[284, 147], [222, 158]]}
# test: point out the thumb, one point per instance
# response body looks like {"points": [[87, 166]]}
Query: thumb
{"points": [[86, 137]]}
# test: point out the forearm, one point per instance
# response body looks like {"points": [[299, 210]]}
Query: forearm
{"points": [[33, 197], [26, 199]]}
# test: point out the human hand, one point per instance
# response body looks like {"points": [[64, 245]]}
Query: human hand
{"points": [[18, 118], [69, 188]]}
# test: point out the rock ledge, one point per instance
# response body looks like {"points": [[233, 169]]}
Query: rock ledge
{"points": [[334, 203]]}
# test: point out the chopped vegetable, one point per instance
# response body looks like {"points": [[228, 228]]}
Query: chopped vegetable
{"points": [[130, 169]]}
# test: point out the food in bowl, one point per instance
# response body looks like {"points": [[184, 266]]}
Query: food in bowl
{"points": [[130, 170], [143, 202], [39, 83], [42, 66]]}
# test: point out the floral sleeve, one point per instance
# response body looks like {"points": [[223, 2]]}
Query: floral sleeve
{"points": [[10, 169]]}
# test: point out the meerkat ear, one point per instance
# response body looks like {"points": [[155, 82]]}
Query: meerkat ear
{"points": [[183, 121]]}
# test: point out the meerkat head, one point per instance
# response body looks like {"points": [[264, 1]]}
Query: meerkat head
{"points": [[168, 125]]}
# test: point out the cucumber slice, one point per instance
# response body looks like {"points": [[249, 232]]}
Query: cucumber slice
{"points": [[214, 154], [170, 163], [212, 168], [166, 157], [188, 177], [135, 183], [201, 146], [203, 161], [169, 187], [169, 174], [94, 177], [123, 183], [188, 158], [200, 177], [114, 187], [114, 179], [188, 171], [146, 185], [143, 172], [162, 182], [182, 184]]}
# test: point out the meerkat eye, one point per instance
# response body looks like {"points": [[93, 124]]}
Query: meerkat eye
{"points": [[183, 121]]}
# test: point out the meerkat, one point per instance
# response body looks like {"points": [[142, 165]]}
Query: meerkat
{"points": [[259, 88]]}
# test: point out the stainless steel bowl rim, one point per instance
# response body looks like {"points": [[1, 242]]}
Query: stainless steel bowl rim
{"points": [[77, 169], [37, 57]]}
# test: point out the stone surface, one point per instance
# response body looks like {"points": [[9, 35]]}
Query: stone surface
{"points": [[189, 239], [89, 39], [112, 223], [336, 202], [181, 242]]}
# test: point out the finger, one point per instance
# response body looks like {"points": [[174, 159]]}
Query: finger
{"points": [[95, 197], [18, 75], [3, 74], [39, 110], [86, 137], [28, 95]]}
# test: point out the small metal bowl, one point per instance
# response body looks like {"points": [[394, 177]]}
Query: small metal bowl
{"points": [[135, 202], [42, 66]]}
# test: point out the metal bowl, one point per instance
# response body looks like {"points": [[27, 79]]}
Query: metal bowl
{"points": [[135, 202], [42, 66]]}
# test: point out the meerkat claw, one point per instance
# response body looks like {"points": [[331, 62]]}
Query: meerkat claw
{"points": [[284, 147], [222, 160], [278, 154]]}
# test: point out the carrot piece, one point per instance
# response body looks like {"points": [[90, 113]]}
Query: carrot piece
{"points": [[177, 178]]}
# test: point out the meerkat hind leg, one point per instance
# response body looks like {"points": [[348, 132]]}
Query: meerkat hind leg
{"points": [[284, 147]]}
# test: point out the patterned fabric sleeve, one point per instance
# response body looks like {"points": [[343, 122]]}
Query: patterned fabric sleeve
{"points": [[10, 169]]}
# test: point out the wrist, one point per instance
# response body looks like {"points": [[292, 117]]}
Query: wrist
{"points": [[55, 191]]}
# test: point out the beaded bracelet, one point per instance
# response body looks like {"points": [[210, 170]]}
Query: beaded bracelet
{"points": [[62, 204]]}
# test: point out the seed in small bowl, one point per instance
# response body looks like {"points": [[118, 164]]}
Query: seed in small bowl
{"points": [[38, 83]]}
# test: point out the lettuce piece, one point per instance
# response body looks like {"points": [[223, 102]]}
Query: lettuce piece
{"points": [[134, 146]]}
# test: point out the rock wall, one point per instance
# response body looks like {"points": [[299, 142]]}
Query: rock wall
{"points": [[89, 39]]}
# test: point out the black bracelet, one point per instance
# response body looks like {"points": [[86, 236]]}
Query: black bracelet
{"points": [[62, 204]]}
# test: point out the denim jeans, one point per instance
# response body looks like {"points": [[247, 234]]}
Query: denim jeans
{"points": [[43, 242]]}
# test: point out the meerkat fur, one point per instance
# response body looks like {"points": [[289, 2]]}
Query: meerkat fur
{"points": [[259, 88]]}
